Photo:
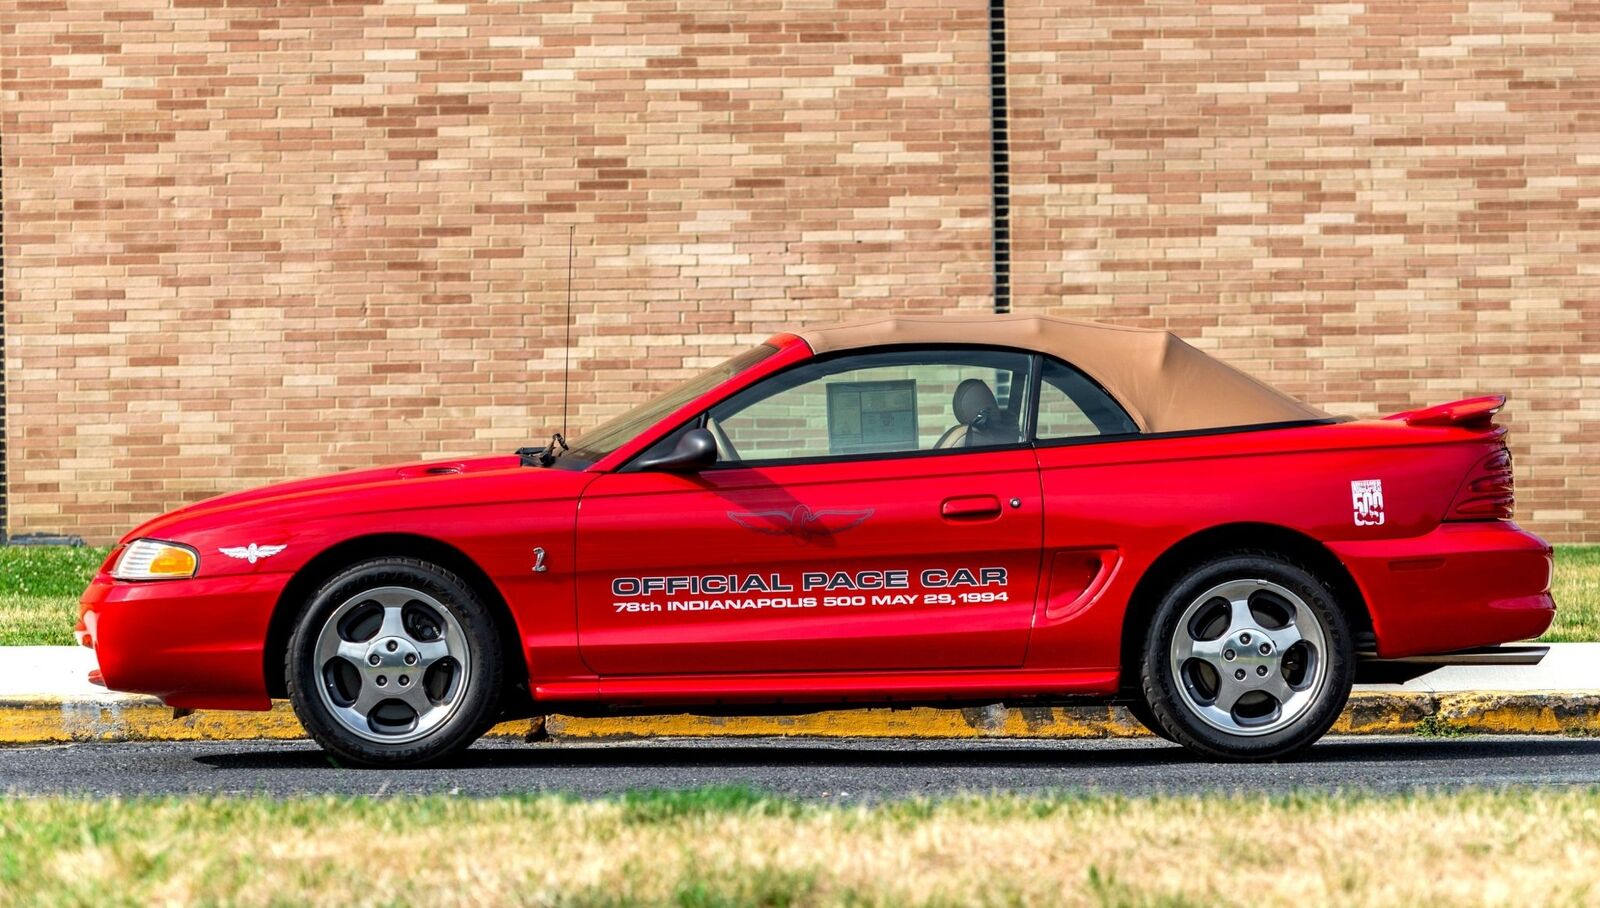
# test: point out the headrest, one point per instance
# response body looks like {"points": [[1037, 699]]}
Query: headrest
{"points": [[973, 399]]}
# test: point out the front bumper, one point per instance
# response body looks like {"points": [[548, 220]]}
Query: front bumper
{"points": [[1463, 585], [196, 644]]}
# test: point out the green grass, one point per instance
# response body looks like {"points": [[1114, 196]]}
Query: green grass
{"points": [[736, 847], [1577, 590], [48, 570], [39, 590], [40, 585]]}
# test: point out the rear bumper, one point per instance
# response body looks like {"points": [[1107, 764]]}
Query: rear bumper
{"points": [[1373, 670], [194, 643], [1461, 586]]}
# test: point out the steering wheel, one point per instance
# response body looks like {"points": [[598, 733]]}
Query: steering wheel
{"points": [[725, 449]]}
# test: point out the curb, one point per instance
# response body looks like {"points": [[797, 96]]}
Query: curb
{"points": [[55, 720]]}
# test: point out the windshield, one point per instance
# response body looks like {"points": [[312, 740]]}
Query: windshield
{"points": [[619, 430]]}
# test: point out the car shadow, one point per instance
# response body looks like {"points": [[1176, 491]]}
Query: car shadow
{"points": [[936, 754]]}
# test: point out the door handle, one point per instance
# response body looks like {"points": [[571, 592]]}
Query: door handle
{"points": [[970, 507]]}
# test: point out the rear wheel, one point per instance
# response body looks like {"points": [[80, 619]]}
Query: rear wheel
{"points": [[1249, 657], [394, 662]]}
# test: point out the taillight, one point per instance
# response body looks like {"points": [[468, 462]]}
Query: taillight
{"points": [[1487, 493]]}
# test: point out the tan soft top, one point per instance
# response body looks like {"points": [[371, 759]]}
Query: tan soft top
{"points": [[1164, 384]]}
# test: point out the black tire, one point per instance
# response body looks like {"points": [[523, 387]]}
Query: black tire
{"points": [[1291, 696], [473, 676], [1142, 713]]}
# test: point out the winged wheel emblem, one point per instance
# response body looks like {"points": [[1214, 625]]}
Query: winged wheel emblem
{"points": [[801, 522], [252, 552]]}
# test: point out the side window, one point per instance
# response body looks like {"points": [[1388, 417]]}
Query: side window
{"points": [[1073, 406], [877, 403]]}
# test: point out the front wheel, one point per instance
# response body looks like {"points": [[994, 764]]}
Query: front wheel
{"points": [[394, 662], [1249, 657], [1141, 713]]}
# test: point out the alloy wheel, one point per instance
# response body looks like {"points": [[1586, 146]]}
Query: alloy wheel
{"points": [[393, 664], [1249, 657]]}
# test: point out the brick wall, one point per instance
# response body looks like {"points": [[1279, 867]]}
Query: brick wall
{"points": [[247, 242], [1373, 206], [252, 241]]}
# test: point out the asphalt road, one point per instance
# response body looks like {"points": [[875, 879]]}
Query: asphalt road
{"points": [[827, 770]]}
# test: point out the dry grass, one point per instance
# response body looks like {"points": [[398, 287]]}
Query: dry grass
{"points": [[725, 848], [36, 620]]}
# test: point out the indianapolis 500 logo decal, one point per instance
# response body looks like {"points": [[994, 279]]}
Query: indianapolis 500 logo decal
{"points": [[1366, 496]]}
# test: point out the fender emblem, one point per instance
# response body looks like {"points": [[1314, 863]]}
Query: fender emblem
{"points": [[802, 522], [252, 552]]}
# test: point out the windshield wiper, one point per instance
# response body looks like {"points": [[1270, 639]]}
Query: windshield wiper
{"points": [[546, 455]]}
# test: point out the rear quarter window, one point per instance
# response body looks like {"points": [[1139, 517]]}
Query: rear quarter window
{"points": [[1071, 405]]}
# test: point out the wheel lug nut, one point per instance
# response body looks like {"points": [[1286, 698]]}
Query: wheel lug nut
{"points": [[382, 680], [1245, 639], [1228, 654], [404, 680], [411, 658], [1238, 674], [373, 659], [1266, 648], [1261, 670], [394, 646]]}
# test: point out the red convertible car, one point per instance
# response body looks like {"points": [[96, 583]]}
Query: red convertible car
{"points": [[930, 511]]}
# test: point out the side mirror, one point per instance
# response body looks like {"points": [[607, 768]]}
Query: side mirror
{"points": [[694, 451]]}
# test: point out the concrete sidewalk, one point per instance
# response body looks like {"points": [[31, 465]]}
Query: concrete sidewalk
{"points": [[1568, 667], [51, 671], [45, 697]]}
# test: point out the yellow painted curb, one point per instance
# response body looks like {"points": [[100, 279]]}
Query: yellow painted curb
{"points": [[47, 720], [52, 720], [1544, 713]]}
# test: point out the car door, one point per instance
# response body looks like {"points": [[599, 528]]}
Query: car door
{"points": [[1101, 509], [876, 511]]}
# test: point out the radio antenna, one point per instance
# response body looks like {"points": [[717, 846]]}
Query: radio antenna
{"points": [[566, 367], [547, 455]]}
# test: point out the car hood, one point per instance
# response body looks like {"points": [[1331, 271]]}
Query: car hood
{"points": [[432, 473]]}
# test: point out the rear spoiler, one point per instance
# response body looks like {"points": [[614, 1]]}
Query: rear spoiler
{"points": [[1471, 413]]}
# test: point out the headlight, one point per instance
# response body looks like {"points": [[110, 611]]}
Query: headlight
{"points": [[152, 559]]}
